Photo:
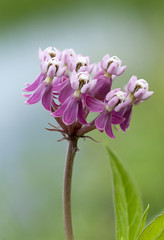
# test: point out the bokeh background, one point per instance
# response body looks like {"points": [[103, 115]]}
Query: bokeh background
{"points": [[31, 160]]}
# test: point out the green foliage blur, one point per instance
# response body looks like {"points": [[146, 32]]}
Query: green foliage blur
{"points": [[31, 160]]}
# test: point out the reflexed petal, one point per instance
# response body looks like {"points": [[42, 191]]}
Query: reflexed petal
{"points": [[94, 105], [81, 114], [70, 113], [60, 111], [47, 97], [65, 92], [99, 73], [102, 87], [101, 121], [59, 83], [127, 115], [108, 126], [37, 95], [26, 95], [117, 118], [35, 84]]}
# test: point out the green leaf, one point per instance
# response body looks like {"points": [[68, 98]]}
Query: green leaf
{"points": [[161, 236], [155, 230], [143, 221], [128, 206]]}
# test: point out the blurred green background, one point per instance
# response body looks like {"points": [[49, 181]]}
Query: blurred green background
{"points": [[31, 160]]}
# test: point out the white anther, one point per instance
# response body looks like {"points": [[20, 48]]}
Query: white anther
{"points": [[51, 51], [141, 83], [121, 96], [114, 59], [81, 60], [71, 52], [53, 61], [83, 77]]}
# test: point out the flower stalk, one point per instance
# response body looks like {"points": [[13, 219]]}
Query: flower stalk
{"points": [[71, 152]]}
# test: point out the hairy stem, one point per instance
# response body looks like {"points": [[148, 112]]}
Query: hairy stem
{"points": [[71, 151], [86, 129]]}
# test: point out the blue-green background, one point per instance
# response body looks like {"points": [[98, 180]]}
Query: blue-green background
{"points": [[31, 160]]}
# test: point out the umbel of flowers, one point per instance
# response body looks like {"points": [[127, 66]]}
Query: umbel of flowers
{"points": [[70, 87]]}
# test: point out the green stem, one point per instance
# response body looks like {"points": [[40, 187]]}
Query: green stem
{"points": [[71, 151]]}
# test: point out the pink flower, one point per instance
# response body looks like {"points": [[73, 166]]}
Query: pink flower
{"points": [[43, 85], [108, 110], [138, 90], [112, 65], [72, 108]]}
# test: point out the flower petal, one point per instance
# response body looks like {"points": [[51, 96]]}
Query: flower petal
{"points": [[111, 94], [47, 97], [120, 70], [37, 95], [60, 111], [81, 114], [101, 88], [101, 121], [70, 113], [94, 105], [113, 68], [108, 126], [26, 95], [139, 93], [131, 84], [117, 118], [51, 71], [35, 84], [147, 95], [65, 92], [127, 115], [61, 71], [113, 102]]}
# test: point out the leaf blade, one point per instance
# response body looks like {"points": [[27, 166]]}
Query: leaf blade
{"points": [[128, 207], [143, 221], [155, 230]]}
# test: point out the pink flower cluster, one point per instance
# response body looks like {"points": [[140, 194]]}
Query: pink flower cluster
{"points": [[69, 87]]}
